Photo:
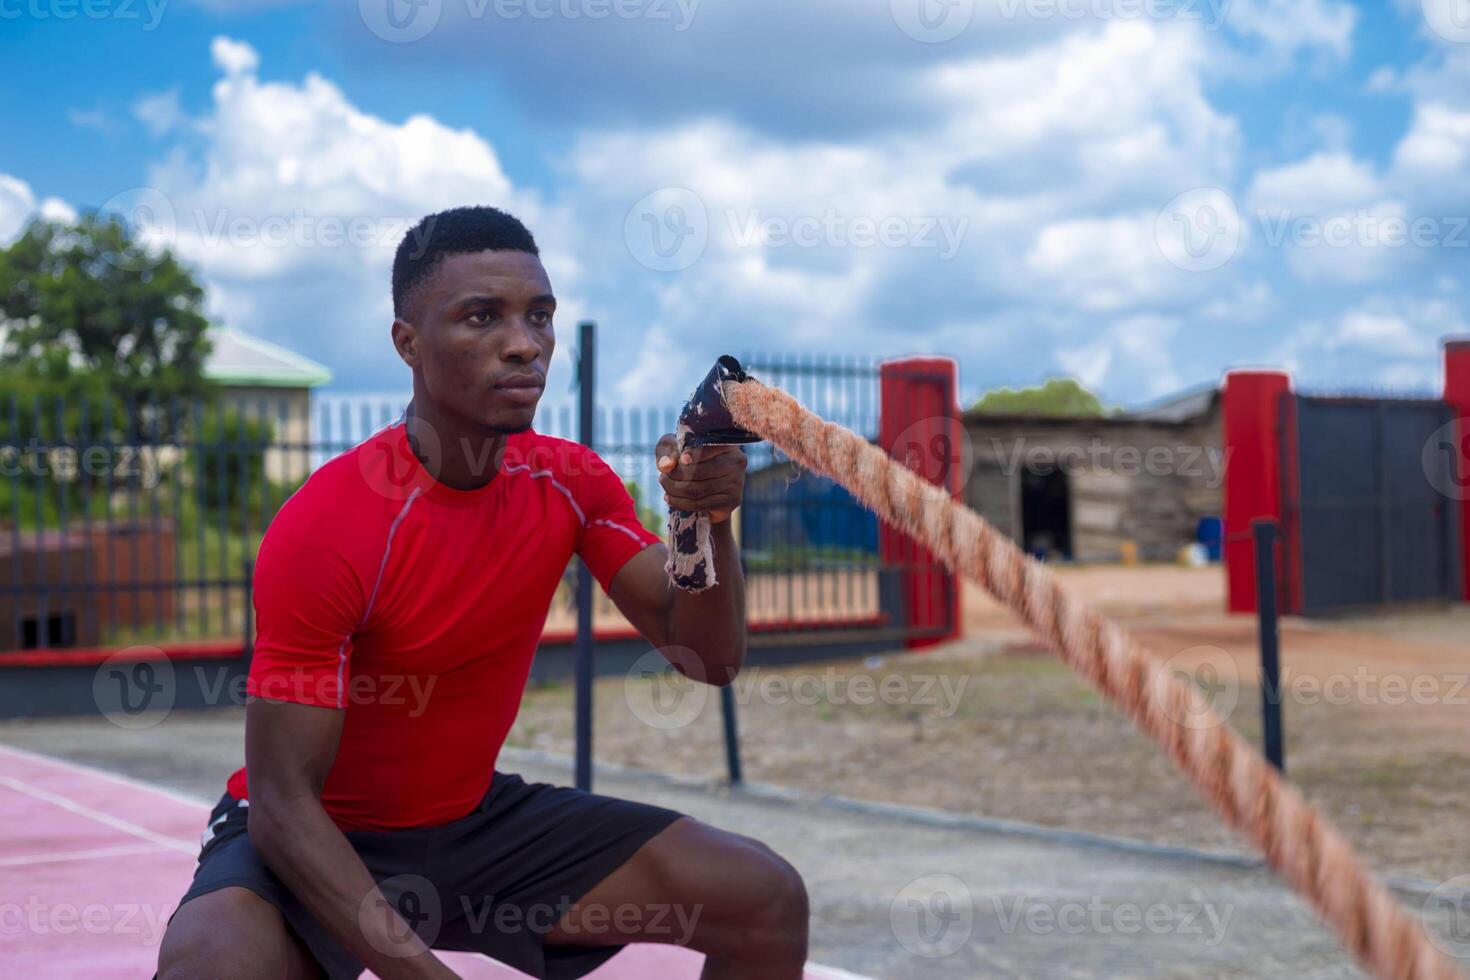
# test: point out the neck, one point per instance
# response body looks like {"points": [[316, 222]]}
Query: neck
{"points": [[459, 455]]}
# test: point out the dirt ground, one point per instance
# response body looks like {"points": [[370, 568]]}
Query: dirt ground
{"points": [[1377, 716]]}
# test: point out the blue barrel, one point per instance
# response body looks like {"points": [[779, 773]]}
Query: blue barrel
{"points": [[1210, 532]]}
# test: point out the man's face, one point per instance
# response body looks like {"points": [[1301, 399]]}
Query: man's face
{"points": [[482, 337]]}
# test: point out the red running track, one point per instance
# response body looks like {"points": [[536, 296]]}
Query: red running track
{"points": [[93, 864]]}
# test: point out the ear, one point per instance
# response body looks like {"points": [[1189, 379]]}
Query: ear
{"points": [[406, 342]]}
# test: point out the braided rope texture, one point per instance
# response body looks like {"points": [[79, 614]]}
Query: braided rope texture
{"points": [[1298, 842]]}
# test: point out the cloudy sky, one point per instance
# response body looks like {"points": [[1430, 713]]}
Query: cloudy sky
{"points": [[1137, 193]]}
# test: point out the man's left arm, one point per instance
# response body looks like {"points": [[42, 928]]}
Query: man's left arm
{"points": [[701, 633]]}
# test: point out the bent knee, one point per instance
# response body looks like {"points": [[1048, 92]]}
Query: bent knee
{"points": [[231, 934], [785, 910]]}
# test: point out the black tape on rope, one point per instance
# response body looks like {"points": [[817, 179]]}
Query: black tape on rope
{"points": [[705, 421]]}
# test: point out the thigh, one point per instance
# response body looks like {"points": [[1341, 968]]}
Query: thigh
{"points": [[232, 934], [691, 885]]}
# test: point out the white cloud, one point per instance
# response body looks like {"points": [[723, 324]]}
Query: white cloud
{"points": [[159, 112], [1290, 25], [1322, 183], [233, 57], [18, 205], [1437, 146]]}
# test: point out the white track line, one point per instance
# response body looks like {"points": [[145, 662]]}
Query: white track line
{"points": [[832, 973], [101, 852], [111, 777], [106, 819]]}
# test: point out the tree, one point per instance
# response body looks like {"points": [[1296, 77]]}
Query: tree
{"points": [[1058, 396], [105, 304]]}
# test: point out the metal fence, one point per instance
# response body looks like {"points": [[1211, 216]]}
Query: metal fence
{"points": [[126, 522]]}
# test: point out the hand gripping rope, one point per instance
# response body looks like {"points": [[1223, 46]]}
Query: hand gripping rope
{"points": [[1298, 842]]}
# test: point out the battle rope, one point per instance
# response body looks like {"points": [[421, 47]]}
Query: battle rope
{"points": [[1303, 847]]}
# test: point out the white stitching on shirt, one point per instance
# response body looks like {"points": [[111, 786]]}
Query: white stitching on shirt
{"points": [[523, 468], [382, 567], [614, 524]]}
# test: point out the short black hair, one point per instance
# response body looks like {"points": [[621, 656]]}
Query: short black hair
{"points": [[468, 229]]}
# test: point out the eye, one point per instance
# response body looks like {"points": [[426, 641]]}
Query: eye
{"points": [[481, 317], [541, 318]]}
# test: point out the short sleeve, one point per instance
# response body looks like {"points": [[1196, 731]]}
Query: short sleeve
{"points": [[612, 532], [308, 603]]}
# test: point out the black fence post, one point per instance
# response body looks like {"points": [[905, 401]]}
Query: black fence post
{"points": [[1265, 532], [586, 394], [732, 735]]}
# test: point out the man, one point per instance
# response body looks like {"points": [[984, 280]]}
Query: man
{"points": [[399, 598]]}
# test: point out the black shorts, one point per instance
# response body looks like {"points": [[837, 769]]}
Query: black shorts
{"points": [[492, 882]]}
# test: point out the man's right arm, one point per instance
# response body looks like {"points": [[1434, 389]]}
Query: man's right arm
{"points": [[289, 750]]}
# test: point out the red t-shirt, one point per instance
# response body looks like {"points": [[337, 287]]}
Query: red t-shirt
{"points": [[417, 608]]}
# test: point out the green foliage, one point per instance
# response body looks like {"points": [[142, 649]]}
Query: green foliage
{"points": [[226, 461], [647, 516], [87, 299], [1058, 396]]}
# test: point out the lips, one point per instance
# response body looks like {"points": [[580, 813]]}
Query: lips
{"points": [[525, 390]]}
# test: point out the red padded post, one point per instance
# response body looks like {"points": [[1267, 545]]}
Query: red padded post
{"points": [[1251, 432], [919, 423], [1457, 396]]}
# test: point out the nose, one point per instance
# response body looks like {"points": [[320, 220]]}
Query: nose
{"points": [[522, 346]]}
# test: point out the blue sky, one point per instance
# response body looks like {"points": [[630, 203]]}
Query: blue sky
{"points": [[1137, 193]]}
